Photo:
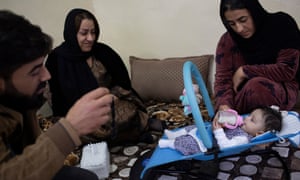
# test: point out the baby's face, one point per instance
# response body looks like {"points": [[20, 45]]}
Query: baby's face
{"points": [[254, 123]]}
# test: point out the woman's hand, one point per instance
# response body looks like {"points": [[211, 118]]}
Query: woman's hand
{"points": [[224, 107], [238, 77]]}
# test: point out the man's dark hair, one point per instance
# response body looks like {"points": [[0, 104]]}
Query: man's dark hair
{"points": [[20, 42], [273, 119]]}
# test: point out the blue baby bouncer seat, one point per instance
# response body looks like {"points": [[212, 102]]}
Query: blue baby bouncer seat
{"points": [[160, 156]]}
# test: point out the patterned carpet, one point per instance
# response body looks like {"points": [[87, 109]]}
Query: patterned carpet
{"points": [[249, 166], [123, 158]]}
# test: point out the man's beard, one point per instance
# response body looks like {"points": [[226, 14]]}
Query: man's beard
{"points": [[16, 100]]}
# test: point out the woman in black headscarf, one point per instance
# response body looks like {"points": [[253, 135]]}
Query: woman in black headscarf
{"points": [[81, 64], [257, 58]]}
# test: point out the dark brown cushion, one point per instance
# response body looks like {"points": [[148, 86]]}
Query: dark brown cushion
{"points": [[162, 80]]}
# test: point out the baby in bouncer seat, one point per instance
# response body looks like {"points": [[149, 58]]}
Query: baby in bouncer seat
{"points": [[229, 129]]}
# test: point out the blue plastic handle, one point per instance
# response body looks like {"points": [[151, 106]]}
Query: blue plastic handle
{"points": [[190, 70]]}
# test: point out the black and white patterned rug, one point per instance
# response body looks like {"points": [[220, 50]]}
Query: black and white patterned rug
{"points": [[128, 160]]}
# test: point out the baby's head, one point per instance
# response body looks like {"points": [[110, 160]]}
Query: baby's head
{"points": [[261, 120]]}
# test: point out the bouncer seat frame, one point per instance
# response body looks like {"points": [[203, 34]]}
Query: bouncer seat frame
{"points": [[160, 156]]}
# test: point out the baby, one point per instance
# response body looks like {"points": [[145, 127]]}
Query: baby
{"points": [[187, 141]]}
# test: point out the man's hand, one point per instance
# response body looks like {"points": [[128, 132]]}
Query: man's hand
{"points": [[90, 111]]}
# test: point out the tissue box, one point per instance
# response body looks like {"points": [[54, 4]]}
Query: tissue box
{"points": [[95, 157]]}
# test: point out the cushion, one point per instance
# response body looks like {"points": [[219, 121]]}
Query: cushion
{"points": [[162, 80]]}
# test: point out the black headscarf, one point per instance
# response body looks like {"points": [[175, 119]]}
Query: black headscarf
{"points": [[71, 75], [274, 31]]}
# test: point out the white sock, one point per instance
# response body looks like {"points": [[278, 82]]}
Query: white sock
{"points": [[166, 143], [175, 134]]}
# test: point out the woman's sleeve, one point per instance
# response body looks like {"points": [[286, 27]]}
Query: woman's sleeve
{"points": [[117, 68], [284, 70], [224, 72], [121, 83], [59, 107]]}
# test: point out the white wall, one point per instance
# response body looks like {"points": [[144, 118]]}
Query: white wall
{"points": [[144, 28]]}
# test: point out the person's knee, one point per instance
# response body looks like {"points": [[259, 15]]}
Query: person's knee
{"points": [[259, 85], [260, 91]]}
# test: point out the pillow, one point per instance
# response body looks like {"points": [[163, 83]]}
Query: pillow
{"points": [[162, 80]]}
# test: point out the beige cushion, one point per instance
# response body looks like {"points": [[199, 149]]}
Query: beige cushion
{"points": [[162, 80]]}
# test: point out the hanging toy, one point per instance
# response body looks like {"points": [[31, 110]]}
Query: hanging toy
{"points": [[185, 102]]}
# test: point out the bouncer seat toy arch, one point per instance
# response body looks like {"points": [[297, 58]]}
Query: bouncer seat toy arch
{"points": [[160, 156]]}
